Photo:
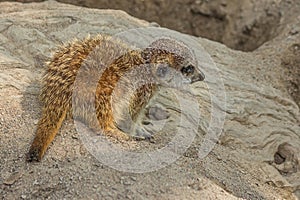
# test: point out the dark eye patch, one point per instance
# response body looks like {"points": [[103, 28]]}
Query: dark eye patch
{"points": [[188, 69]]}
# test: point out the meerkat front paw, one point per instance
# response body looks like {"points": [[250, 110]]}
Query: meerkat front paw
{"points": [[141, 133], [144, 128]]}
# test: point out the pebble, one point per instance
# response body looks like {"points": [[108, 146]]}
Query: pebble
{"points": [[13, 178], [157, 113], [294, 32], [35, 122], [74, 137], [35, 182]]}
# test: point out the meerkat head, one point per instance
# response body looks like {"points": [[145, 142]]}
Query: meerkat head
{"points": [[172, 61]]}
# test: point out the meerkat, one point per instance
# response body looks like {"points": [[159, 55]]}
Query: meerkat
{"points": [[63, 90]]}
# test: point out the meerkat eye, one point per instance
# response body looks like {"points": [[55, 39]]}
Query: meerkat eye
{"points": [[188, 69]]}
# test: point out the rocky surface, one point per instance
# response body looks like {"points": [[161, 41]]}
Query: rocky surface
{"points": [[256, 157], [239, 24]]}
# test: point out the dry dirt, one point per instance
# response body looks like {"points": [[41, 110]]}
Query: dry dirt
{"points": [[257, 156]]}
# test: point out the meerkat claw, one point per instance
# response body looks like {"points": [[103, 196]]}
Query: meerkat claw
{"points": [[142, 134]]}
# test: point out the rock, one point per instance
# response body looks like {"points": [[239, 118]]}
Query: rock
{"points": [[12, 178]]}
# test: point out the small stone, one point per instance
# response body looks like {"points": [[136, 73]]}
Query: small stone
{"points": [[127, 183], [294, 32], [158, 113], [278, 159], [154, 24], [13, 178], [74, 137], [35, 182]]}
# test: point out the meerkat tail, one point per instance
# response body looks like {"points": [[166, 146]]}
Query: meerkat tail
{"points": [[48, 127]]}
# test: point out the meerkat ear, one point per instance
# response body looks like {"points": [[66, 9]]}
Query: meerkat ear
{"points": [[146, 55]]}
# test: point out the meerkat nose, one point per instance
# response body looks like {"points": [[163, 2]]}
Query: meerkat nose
{"points": [[198, 77]]}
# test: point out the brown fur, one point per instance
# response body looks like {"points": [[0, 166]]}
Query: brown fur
{"points": [[60, 84]]}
